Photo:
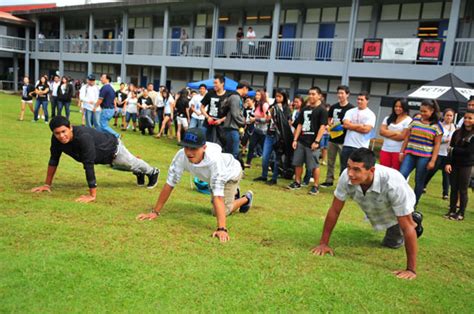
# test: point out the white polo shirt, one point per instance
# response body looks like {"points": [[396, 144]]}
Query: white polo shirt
{"points": [[356, 139], [389, 197]]}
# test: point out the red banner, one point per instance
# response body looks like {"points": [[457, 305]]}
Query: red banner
{"points": [[372, 49], [430, 50]]}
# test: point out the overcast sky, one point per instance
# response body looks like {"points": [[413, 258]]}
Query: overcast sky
{"points": [[58, 2]]}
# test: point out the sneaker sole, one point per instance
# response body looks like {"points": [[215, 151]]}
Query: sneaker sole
{"points": [[249, 205], [156, 183], [291, 188]]}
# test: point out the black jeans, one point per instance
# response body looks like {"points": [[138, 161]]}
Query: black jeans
{"points": [[346, 152], [256, 138], [459, 178], [440, 164], [54, 106]]}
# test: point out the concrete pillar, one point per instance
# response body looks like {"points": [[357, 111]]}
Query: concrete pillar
{"points": [[166, 25], [273, 49], [91, 36], [123, 68], [350, 42], [374, 20], [27, 52], [215, 32], [37, 29], [452, 32], [15, 72], [61, 45]]}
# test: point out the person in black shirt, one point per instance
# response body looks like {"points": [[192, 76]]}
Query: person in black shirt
{"points": [[120, 103], [214, 117], [239, 36], [41, 92], [90, 147], [145, 107], [65, 93], [182, 113], [335, 116], [311, 124], [26, 97]]}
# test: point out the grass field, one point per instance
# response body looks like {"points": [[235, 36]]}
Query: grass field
{"points": [[58, 256]]}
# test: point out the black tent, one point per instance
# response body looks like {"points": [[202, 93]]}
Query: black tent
{"points": [[449, 91]]}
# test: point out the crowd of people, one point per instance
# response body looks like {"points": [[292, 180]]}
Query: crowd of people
{"points": [[222, 132]]}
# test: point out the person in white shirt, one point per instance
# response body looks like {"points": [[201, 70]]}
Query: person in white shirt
{"points": [[206, 161], [251, 37], [197, 118], [388, 202], [131, 110], [54, 94], [359, 123], [470, 106], [392, 131], [88, 95]]}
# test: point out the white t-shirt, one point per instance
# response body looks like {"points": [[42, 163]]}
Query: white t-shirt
{"points": [[357, 116], [448, 131], [132, 105], [196, 102], [251, 35], [392, 146]]}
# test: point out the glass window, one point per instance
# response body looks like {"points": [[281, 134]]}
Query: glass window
{"points": [[365, 13], [344, 14], [305, 83], [379, 88], [201, 20], [329, 15], [397, 88], [431, 10], [258, 80], [313, 15], [410, 11], [389, 12], [284, 82], [321, 83], [139, 22], [333, 84], [147, 22], [292, 16], [131, 22]]}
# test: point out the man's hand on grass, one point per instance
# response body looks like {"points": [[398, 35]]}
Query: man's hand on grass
{"points": [[405, 274], [85, 199], [149, 216], [223, 236], [40, 189], [322, 250]]}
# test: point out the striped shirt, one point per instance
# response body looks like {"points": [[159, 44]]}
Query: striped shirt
{"points": [[422, 137]]}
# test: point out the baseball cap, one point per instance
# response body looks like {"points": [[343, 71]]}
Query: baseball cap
{"points": [[91, 77], [193, 138], [244, 83]]}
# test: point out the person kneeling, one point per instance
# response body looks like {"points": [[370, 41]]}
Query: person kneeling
{"points": [[386, 199], [91, 147], [206, 161]]}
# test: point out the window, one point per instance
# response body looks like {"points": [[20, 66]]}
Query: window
{"points": [[321, 83], [291, 16], [131, 22], [305, 83], [329, 15], [284, 81], [201, 20], [365, 13], [147, 22], [344, 14], [390, 12], [431, 10], [379, 88], [258, 80], [333, 84], [410, 11], [397, 87], [313, 15]]}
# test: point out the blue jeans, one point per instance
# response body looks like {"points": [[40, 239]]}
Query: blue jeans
{"points": [[44, 104], [440, 164], [65, 105], [195, 123], [92, 119], [105, 116], [232, 142], [345, 154], [268, 144], [411, 162]]}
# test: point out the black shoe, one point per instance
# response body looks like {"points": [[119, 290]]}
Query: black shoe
{"points": [[153, 179], [314, 190], [294, 186], [271, 182], [245, 208], [260, 179], [418, 219], [140, 179], [326, 184]]}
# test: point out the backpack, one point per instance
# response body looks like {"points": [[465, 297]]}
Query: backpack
{"points": [[225, 105]]}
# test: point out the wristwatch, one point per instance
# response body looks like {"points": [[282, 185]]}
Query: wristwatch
{"points": [[316, 142], [153, 211], [221, 229]]}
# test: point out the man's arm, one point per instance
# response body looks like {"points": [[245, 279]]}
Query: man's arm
{"points": [[329, 224], [434, 155], [48, 182], [411, 247], [160, 203], [219, 209]]}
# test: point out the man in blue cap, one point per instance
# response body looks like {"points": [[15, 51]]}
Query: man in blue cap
{"points": [[206, 161]]}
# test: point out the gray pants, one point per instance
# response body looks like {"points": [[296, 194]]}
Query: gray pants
{"points": [[333, 150], [128, 162]]}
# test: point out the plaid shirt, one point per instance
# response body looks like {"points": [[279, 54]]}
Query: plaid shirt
{"points": [[389, 197]]}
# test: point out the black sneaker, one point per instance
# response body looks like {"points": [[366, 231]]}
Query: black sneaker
{"points": [[260, 179], [418, 219], [245, 208], [271, 182], [153, 179], [326, 184], [314, 190], [140, 179], [294, 186]]}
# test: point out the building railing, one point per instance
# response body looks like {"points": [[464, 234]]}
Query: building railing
{"points": [[189, 48], [32, 45], [107, 46], [48, 45], [12, 43], [463, 52], [245, 48], [76, 45], [311, 49], [147, 47]]}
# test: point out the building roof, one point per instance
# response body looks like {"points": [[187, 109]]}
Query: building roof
{"points": [[7, 18], [26, 7]]}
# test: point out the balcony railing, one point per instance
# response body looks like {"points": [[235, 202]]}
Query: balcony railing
{"points": [[32, 45], [311, 49], [12, 43], [147, 47], [48, 45], [76, 45], [245, 48], [463, 52], [189, 48], [107, 46]]}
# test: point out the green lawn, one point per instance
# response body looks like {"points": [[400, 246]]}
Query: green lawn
{"points": [[60, 256]]}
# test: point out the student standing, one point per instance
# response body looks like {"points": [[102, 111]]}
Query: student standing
{"points": [[260, 124], [182, 113], [41, 92], [211, 103], [234, 119], [54, 85], [106, 102], [197, 117], [120, 102], [89, 95], [27, 91], [131, 110], [65, 94]]}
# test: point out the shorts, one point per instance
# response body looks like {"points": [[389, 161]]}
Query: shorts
{"points": [[183, 121], [119, 112], [324, 141], [230, 190], [27, 101], [132, 116], [304, 155]]}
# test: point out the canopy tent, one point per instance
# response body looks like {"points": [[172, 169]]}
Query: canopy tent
{"points": [[449, 91], [229, 85]]}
